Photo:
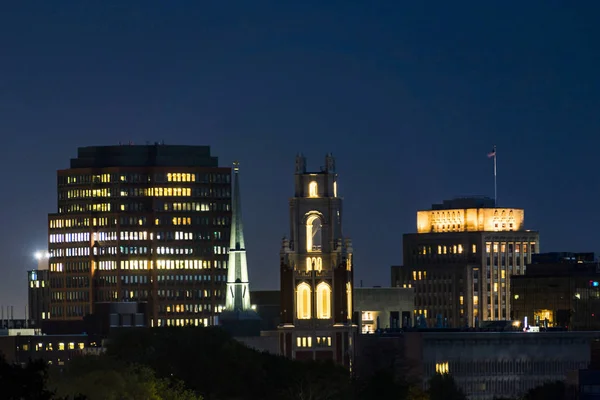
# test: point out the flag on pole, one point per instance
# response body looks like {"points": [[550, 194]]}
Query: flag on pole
{"points": [[492, 153]]}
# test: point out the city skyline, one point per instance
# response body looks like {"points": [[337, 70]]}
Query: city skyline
{"points": [[408, 101]]}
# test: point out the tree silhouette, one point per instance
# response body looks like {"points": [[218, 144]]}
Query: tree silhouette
{"points": [[443, 387], [105, 378], [548, 391], [28, 382], [212, 364]]}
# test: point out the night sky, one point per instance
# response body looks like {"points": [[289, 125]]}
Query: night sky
{"points": [[408, 97]]}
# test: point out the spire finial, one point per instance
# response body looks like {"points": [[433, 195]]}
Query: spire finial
{"points": [[236, 166]]}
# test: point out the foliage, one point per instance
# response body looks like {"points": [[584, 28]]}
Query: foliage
{"points": [[207, 363], [443, 387], [105, 378], [27, 383], [207, 360], [24, 383], [548, 391]]}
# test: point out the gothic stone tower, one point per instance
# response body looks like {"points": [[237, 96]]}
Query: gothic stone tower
{"points": [[316, 272]]}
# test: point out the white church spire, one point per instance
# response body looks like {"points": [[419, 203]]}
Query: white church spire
{"points": [[238, 291]]}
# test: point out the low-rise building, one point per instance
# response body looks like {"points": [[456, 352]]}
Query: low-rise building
{"points": [[383, 308], [558, 290], [485, 365]]}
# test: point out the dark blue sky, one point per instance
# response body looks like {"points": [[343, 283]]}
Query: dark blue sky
{"points": [[408, 97]]}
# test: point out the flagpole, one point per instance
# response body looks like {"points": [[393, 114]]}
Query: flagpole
{"points": [[495, 180]]}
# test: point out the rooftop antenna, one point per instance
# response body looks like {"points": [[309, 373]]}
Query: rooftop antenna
{"points": [[492, 154]]}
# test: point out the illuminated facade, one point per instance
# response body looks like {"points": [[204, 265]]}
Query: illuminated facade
{"points": [[317, 272], [238, 287], [141, 223], [461, 260], [238, 318]]}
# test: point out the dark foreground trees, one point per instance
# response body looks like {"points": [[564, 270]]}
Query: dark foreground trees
{"points": [[443, 387], [24, 383], [205, 363], [106, 378], [210, 363], [27, 383]]}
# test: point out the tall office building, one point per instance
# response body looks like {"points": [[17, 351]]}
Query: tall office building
{"points": [[317, 272], [461, 259], [141, 223]]}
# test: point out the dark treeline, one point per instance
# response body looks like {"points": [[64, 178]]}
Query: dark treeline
{"points": [[194, 364]]}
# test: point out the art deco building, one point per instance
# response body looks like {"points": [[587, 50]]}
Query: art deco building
{"points": [[461, 259], [316, 272], [141, 223]]}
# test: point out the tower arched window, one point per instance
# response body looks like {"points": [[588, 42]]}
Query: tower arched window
{"points": [[303, 303], [313, 233], [313, 189], [323, 301], [314, 263], [349, 299]]}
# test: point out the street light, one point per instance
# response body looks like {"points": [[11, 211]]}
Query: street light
{"points": [[41, 254]]}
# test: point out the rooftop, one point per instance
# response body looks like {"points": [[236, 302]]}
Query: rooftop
{"points": [[465, 202], [155, 155]]}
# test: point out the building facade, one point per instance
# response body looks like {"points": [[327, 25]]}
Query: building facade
{"points": [[317, 272], [383, 308], [38, 296], [559, 290], [141, 223], [491, 365], [461, 259]]}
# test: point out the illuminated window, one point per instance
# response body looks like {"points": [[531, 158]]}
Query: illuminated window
{"points": [[315, 263], [303, 303], [349, 299], [442, 368], [61, 346], [313, 189], [313, 233], [323, 301], [304, 341], [334, 191]]}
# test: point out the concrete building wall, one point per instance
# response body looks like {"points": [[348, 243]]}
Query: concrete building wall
{"points": [[487, 365], [383, 308]]}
